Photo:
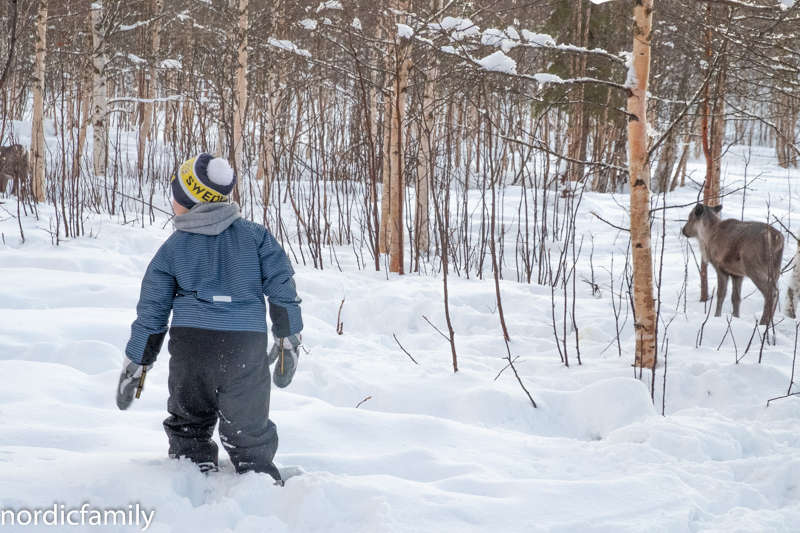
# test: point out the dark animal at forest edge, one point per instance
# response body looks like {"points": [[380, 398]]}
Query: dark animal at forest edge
{"points": [[13, 165], [736, 249]]}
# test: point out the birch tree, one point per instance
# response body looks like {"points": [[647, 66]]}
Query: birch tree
{"points": [[402, 65], [240, 88], [38, 161], [266, 163], [639, 170], [146, 124], [99, 90]]}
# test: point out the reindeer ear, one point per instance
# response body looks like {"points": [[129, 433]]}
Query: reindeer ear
{"points": [[717, 208], [698, 210]]}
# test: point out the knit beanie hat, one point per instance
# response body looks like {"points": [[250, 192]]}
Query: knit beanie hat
{"points": [[202, 179]]}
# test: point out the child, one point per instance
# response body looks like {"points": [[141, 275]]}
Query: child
{"points": [[213, 274]]}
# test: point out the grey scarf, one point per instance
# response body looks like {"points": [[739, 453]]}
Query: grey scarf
{"points": [[208, 219]]}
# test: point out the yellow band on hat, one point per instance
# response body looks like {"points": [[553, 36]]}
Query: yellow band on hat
{"points": [[192, 186]]}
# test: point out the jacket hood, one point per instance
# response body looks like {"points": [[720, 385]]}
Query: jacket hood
{"points": [[208, 219]]}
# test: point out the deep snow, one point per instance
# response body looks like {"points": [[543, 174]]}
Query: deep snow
{"points": [[430, 450]]}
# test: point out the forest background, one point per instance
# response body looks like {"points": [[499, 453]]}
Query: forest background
{"points": [[369, 117]]}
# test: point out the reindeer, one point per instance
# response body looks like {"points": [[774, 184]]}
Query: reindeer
{"points": [[737, 249], [13, 166]]}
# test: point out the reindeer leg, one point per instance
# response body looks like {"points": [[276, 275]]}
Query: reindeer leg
{"points": [[736, 295], [722, 290], [769, 312], [703, 281], [770, 293]]}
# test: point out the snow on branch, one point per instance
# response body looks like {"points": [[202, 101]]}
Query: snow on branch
{"points": [[404, 31], [128, 27], [308, 24], [136, 59], [460, 29], [174, 98], [289, 46], [499, 62], [330, 4]]}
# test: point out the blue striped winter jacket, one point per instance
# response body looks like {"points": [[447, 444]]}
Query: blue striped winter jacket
{"points": [[216, 282]]}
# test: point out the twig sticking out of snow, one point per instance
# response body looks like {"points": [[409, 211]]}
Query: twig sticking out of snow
{"points": [[437, 329], [364, 400], [401, 347], [703, 325], [794, 357], [519, 379], [339, 324]]}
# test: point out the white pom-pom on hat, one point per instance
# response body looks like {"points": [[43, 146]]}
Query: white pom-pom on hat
{"points": [[219, 171]]}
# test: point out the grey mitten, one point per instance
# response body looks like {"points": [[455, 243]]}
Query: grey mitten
{"points": [[129, 381], [285, 353]]}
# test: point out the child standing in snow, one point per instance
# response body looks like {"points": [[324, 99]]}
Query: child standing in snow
{"points": [[213, 274]]}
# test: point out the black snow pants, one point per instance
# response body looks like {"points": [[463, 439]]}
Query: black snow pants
{"points": [[221, 374]]}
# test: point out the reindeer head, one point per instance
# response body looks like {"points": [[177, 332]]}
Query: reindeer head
{"points": [[700, 217]]}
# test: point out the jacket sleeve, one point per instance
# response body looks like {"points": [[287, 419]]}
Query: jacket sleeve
{"points": [[279, 288], [155, 304]]}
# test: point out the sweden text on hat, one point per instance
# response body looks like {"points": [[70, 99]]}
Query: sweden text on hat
{"points": [[202, 179]]}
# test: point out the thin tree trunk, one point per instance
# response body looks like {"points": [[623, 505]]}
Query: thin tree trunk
{"points": [[240, 92], [266, 166], [385, 237], [83, 117], [640, 189], [666, 163], [425, 164], [385, 232], [169, 119], [681, 168], [711, 194], [37, 128], [99, 94], [146, 124], [396, 154], [707, 152]]}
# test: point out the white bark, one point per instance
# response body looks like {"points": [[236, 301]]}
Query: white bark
{"points": [[639, 171], [240, 90], [99, 91], [793, 291], [37, 128], [425, 164], [151, 83]]}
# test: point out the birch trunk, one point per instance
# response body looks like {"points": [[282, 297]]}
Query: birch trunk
{"points": [[639, 170], [267, 142], [666, 163], [83, 113], [37, 128], [240, 96], [396, 155], [793, 290], [578, 131], [147, 109], [99, 94], [717, 140], [397, 141], [169, 118], [267, 164], [704, 132], [385, 237], [425, 165], [681, 169]]}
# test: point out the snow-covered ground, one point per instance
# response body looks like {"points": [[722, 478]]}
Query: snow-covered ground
{"points": [[429, 450]]}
